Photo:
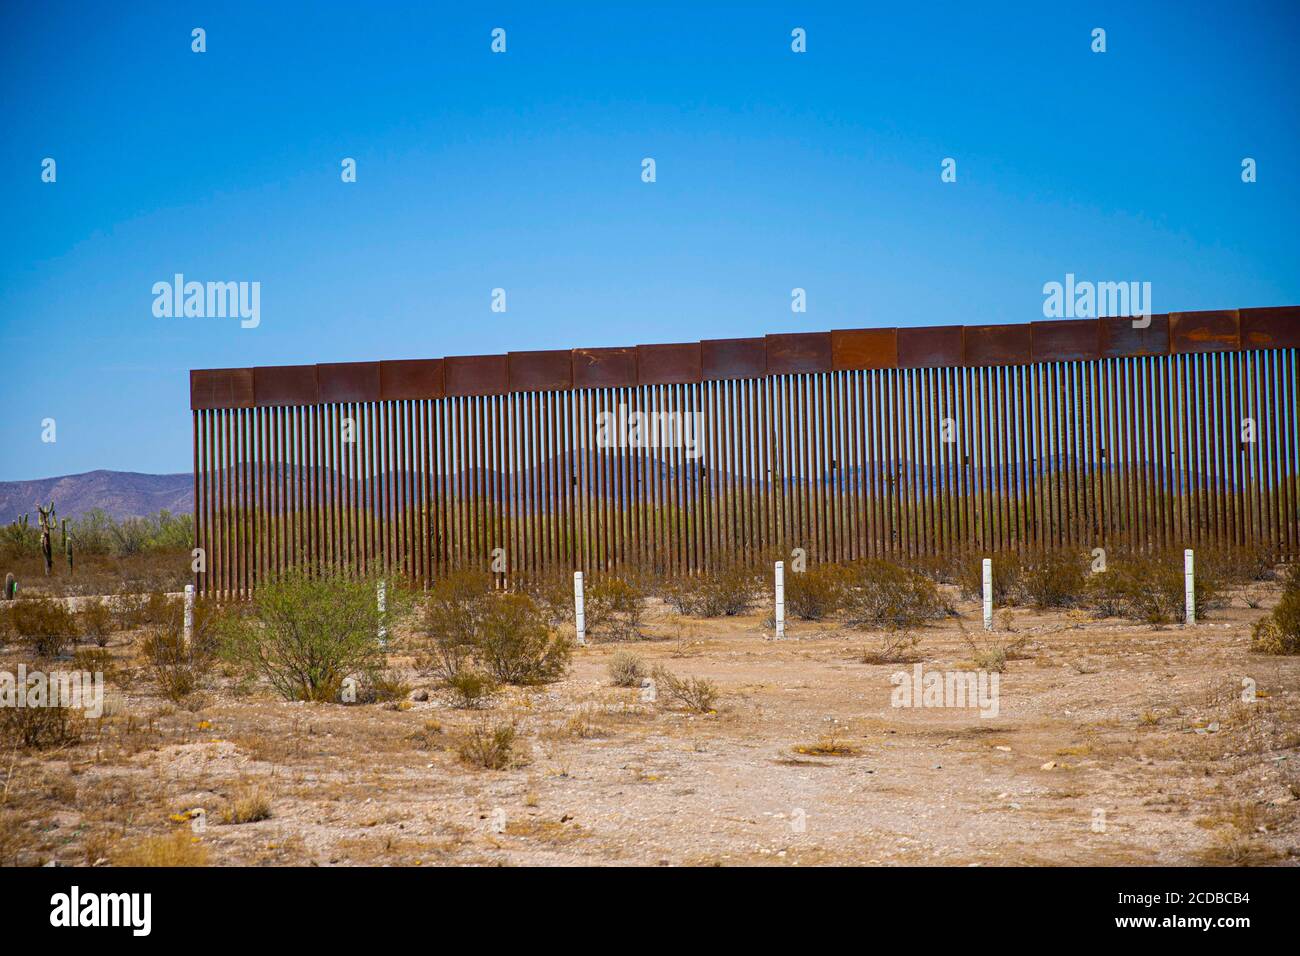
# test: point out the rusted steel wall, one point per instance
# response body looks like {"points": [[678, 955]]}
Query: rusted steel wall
{"points": [[899, 443]]}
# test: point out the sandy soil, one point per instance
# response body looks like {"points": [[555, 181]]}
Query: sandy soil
{"points": [[1114, 744]]}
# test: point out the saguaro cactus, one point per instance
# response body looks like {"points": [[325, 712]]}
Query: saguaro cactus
{"points": [[11, 586], [48, 522], [67, 550]]}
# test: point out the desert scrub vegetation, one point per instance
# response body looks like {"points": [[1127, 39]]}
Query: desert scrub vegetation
{"points": [[615, 608], [504, 635], [449, 621], [178, 848], [893, 647], [1279, 631], [305, 635], [817, 593], [248, 804], [1147, 588], [724, 593], [693, 693], [488, 746], [42, 624], [516, 647], [626, 670], [97, 533], [1006, 576], [881, 594], [96, 621], [40, 728], [180, 666], [1052, 579], [471, 689]]}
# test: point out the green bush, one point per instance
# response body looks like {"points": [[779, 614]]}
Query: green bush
{"points": [[516, 647], [304, 635], [96, 620]]}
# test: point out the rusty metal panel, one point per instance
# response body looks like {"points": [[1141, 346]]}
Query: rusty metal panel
{"points": [[798, 353], [999, 345], [410, 379], [1193, 332], [476, 374], [1276, 328], [733, 358], [604, 368], [221, 388], [669, 364], [933, 346], [348, 381], [864, 348], [285, 385], [1121, 339], [541, 371], [1066, 340]]}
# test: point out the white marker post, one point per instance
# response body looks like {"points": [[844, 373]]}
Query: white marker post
{"points": [[579, 609], [381, 602], [189, 613], [988, 594], [780, 600], [1189, 587]]}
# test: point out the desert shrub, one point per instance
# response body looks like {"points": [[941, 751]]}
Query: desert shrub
{"points": [[1052, 579], [894, 647], [816, 593], [39, 728], [43, 624], [614, 609], [1279, 631], [179, 666], [304, 635], [136, 610], [992, 653], [626, 670], [884, 594], [515, 647], [1242, 564], [449, 622], [96, 620], [488, 746], [380, 686], [1006, 576], [95, 660], [471, 688], [1147, 588], [182, 666], [178, 848], [247, 805], [723, 593], [553, 596], [693, 693]]}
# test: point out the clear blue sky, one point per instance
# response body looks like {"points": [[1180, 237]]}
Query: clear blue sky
{"points": [[522, 171]]}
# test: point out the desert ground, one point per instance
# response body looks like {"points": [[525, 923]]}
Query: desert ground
{"points": [[1114, 744]]}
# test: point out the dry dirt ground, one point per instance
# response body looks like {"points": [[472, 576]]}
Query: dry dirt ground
{"points": [[1115, 743]]}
